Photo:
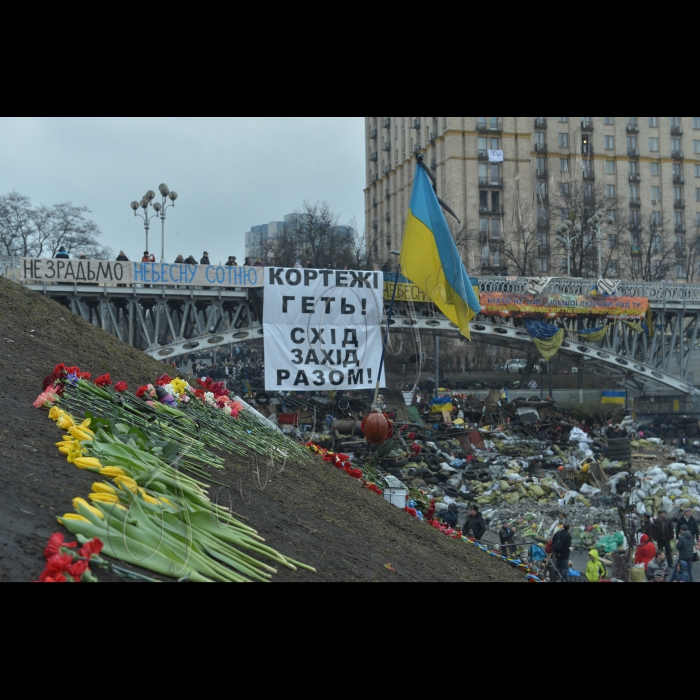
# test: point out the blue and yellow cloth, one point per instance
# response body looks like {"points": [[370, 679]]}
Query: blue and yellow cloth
{"points": [[430, 259]]}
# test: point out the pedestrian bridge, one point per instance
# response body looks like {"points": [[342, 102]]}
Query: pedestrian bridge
{"points": [[169, 321]]}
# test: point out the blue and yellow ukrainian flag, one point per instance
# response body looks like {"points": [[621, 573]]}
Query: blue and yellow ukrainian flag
{"points": [[618, 398], [430, 259]]}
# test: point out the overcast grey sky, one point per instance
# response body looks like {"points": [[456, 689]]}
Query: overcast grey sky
{"points": [[230, 173]]}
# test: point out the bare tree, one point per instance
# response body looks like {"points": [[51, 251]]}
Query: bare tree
{"points": [[649, 251], [314, 236], [578, 203], [693, 255], [29, 231]]}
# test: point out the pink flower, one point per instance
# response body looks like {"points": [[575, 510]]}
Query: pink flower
{"points": [[47, 399]]}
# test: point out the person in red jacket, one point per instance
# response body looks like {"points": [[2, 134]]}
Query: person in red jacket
{"points": [[646, 552]]}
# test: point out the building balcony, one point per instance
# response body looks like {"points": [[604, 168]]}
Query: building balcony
{"points": [[589, 175], [373, 134], [635, 203], [542, 173], [633, 152], [488, 182], [374, 157], [635, 227], [676, 131], [680, 251], [633, 128], [677, 155], [483, 154], [544, 251], [490, 210], [490, 127], [680, 228], [541, 148], [540, 122], [679, 179], [587, 127], [587, 150], [679, 203], [635, 177]]}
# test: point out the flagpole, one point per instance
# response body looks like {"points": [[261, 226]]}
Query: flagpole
{"points": [[388, 327]]}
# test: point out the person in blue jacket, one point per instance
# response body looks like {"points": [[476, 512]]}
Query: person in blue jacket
{"points": [[62, 254]]}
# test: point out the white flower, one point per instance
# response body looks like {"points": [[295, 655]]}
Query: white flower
{"points": [[210, 398], [170, 390], [227, 410]]}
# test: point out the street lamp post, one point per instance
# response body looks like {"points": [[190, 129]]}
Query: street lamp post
{"points": [[144, 204], [595, 224], [160, 210], [566, 231]]}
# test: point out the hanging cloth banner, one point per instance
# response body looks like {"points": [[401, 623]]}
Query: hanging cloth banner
{"points": [[322, 329], [496, 156], [541, 330], [547, 338], [563, 306], [594, 335], [549, 348]]}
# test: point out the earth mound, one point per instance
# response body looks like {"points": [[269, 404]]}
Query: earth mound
{"points": [[312, 513]]}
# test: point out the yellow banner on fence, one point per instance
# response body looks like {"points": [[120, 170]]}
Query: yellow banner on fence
{"points": [[409, 292]]}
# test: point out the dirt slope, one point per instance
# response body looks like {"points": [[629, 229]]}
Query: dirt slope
{"points": [[315, 514]]}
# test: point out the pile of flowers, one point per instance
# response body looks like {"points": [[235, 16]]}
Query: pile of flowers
{"points": [[66, 565], [339, 461]]}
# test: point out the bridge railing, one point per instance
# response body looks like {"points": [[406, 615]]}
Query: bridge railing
{"points": [[656, 292], [10, 267]]}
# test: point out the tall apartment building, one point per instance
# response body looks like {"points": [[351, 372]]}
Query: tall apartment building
{"points": [[641, 171]]}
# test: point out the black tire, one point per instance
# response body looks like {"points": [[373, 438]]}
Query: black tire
{"points": [[484, 477], [431, 482], [470, 476], [452, 493], [433, 463]]}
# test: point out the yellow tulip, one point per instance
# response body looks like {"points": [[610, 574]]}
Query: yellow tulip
{"points": [[127, 484], [64, 450], [103, 498], [87, 463], [80, 435], [104, 489], [55, 413], [77, 502], [150, 499], [73, 516], [112, 472], [65, 422]]}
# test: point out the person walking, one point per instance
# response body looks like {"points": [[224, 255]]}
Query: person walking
{"points": [[475, 524], [595, 571], [646, 553], [561, 547], [692, 524], [507, 537], [663, 534], [686, 553]]}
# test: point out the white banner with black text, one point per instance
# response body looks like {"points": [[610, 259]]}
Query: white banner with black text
{"points": [[322, 329]]}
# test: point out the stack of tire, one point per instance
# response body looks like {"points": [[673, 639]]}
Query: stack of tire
{"points": [[620, 450], [692, 430]]}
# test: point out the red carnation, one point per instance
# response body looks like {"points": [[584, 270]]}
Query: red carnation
{"points": [[53, 579], [121, 387], [142, 390], [56, 567], [77, 571], [103, 381], [58, 369], [86, 376], [56, 541], [91, 549], [164, 380]]}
